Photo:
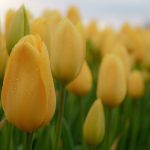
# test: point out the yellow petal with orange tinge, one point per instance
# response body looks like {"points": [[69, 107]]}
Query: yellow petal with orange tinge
{"points": [[28, 96]]}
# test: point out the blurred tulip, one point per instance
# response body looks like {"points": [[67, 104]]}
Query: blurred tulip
{"points": [[8, 19], [41, 26], [82, 84], [121, 51], [92, 29], [67, 52], [136, 85], [74, 15], [134, 42], [53, 16], [18, 28], [112, 81], [28, 95], [3, 57], [94, 125], [145, 75], [108, 41]]}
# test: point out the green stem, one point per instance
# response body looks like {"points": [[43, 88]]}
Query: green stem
{"points": [[81, 119], [109, 127], [28, 143], [91, 147], [60, 117]]}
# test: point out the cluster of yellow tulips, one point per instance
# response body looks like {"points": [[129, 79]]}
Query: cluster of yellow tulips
{"points": [[76, 87]]}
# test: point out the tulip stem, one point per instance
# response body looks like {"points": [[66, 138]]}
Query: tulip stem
{"points": [[28, 145], [60, 117]]}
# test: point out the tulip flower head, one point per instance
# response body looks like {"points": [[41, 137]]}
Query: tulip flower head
{"points": [[18, 28], [41, 27], [3, 57], [82, 84], [28, 96], [67, 52], [111, 81], [121, 51], [136, 84], [74, 15], [94, 125], [8, 19]]}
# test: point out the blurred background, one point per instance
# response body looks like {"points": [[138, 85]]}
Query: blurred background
{"points": [[107, 12]]}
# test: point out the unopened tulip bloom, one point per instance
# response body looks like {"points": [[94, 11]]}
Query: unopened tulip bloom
{"points": [[28, 95], [3, 57], [18, 28], [8, 19], [121, 51], [41, 26], [82, 84], [94, 125], [67, 52], [111, 81], [74, 15], [136, 84], [53, 16]]}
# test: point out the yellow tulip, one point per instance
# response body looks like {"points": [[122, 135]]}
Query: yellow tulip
{"points": [[112, 81], [82, 84], [8, 19], [94, 125], [92, 29], [136, 84], [121, 51], [18, 28], [108, 41], [53, 16], [74, 15], [67, 52], [41, 26], [3, 57], [28, 95]]}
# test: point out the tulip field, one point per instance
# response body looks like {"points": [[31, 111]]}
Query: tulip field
{"points": [[66, 85]]}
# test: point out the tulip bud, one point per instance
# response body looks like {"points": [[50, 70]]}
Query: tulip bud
{"points": [[8, 19], [121, 51], [74, 15], [92, 29], [112, 81], [67, 52], [108, 41], [94, 125], [19, 27], [82, 84], [28, 95], [41, 26], [3, 57], [136, 85], [52, 16]]}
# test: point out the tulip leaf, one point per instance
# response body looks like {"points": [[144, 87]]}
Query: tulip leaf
{"points": [[67, 137]]}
